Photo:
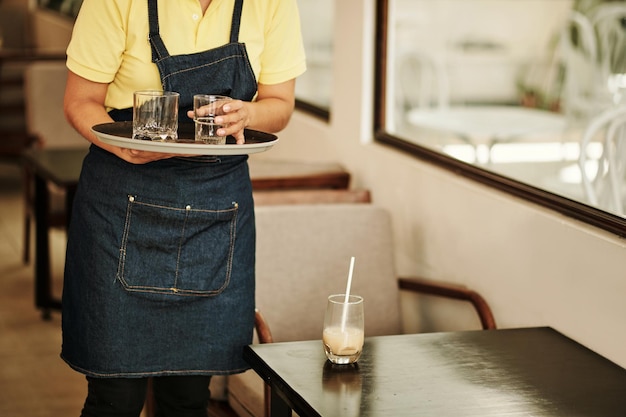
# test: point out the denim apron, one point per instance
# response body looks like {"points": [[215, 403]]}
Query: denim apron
{"points": [[159, 275]]}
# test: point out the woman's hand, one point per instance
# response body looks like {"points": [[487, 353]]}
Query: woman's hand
{"points": [[269, 112], [235, 120], [84, 108], [135, 156]]}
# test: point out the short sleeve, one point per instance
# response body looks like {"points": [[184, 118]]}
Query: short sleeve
{"points": [[98, 40], [283, 57]]}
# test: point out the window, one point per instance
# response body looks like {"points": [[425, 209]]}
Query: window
{"points": [[313, 88], [490, 89]]}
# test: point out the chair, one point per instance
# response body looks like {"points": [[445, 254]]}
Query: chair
{"points": [[603, 186], [421, 85], [303, 254], [593, 58], [44, 88], [609, 23], [422, 82], [616, 142], [578, 54]]}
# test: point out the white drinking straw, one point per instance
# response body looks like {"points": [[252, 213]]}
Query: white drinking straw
{"points": [[349, 279], [345, 305]]}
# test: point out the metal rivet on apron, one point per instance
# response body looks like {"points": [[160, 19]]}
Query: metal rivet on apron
{"points": [[188, 207], [235, 204], [131, 198]]}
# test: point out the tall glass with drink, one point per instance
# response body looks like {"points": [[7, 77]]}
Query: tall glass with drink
{"points": [[343, 328]]}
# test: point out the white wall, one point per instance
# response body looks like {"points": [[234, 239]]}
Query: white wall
{"points": [[535, 267]]}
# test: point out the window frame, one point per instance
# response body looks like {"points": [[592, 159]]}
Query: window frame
{"points": [[312, 109], [576, 210]]}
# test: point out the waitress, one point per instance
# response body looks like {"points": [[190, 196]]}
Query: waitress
{"points": [[159, 275]]}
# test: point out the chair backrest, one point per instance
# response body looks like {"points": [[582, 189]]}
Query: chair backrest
{"points": [[579, 59], [609, 24], [422, 82], [603, 185], [616, 155], [303, 256], [44, 88]]}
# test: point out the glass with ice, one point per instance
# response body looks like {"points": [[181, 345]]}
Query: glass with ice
{"points": [[343, 329]]}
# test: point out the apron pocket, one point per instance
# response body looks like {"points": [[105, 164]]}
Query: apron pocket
{"points": [[176, 251]]}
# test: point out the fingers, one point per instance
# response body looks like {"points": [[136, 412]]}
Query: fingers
{"points": [[235, 120], [240, 138], [138, 157]]}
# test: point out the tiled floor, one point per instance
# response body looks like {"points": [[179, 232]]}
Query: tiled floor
{"points": [[34, 381]]}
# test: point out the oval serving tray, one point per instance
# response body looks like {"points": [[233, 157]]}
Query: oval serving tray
{"points": [[120, 134]]}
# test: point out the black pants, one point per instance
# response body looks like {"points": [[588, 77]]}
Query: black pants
{"points": [[175, 396]]}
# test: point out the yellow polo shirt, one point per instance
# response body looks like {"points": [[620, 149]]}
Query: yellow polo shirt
{"points": [[110, 40]]}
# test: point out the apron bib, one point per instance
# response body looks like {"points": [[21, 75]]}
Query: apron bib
{"points": [[159, 276], [225, 70]]}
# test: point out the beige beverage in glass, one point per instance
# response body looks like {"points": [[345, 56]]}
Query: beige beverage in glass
{"points": [[206, 108], [343, 333]]}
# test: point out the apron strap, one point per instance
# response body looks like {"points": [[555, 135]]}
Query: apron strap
{"points": [[236, 22], [159, 51]]}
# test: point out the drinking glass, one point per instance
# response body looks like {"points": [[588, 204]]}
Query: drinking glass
{"points": [[155, 115], [343, 329], [206, 107]]}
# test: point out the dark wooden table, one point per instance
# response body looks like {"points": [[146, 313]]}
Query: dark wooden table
{"points": [[514, 372], [62, 167]]}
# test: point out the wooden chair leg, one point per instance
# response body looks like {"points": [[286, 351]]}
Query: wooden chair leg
{"points": [[28, 201], [26, 248]]}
